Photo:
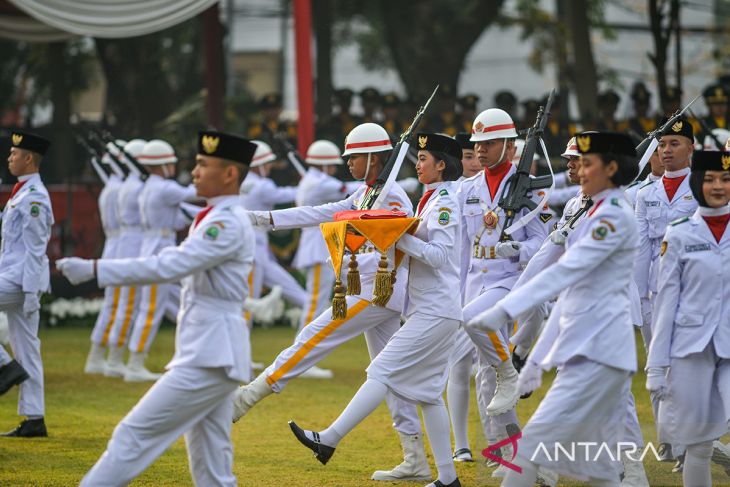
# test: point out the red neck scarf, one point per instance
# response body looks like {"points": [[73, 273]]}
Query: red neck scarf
{"points": [[671, 185], [17, 187], [424, 200], [494, 176], [717, 225], [201, 215]]}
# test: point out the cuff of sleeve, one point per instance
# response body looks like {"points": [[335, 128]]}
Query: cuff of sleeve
{"points": [[410, 245]]}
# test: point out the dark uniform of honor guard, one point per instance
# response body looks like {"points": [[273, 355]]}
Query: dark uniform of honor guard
{"points": [[640, 123], [559, 128], [671, 99], [467, 111], [529, 110], [445, 121], [507, 101], [269, 124], [371, 101], [607, 104], [342, 121], [716, 99], [391, 116], [24, 275]]}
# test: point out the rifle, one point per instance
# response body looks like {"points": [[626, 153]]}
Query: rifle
{"points": [[521, 184], [647, 146], [118, 167], [708, 131], [389, 173], [94, 158], [134, 165], [291, 153]]}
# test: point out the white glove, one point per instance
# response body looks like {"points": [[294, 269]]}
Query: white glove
{"points": [[268, 309], [646, 311], [409, 185], [507, 250], [260, 218], [530, 378], [656, 381], [490, 320], [558, 237], [31, 304], [76, 270]]}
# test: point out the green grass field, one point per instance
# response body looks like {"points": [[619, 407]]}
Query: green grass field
{"points": [[82, 411]]}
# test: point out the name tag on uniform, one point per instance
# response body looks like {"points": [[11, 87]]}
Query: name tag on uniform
{"points": [[472, 201], [652, 203], [696, 247], [688, 197]]}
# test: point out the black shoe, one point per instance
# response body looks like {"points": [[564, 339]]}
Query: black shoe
{"points": [[321, 451], [455, 483], [11, 374], [679, 466], [665, 452], [29, 428]]}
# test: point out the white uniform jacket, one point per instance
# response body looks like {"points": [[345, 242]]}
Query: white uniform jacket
{"points": [[315, 188], [480, 268], [592, 279], [26, 230], [692, 305], [653, 214], [213, 263], [632, 190], [262, 194], [109, 215], [435, 264], [130, 220], [367, 258], [159, 205]]}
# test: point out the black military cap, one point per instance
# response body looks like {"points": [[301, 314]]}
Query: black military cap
{"points": [[270, 100], [715, 94], [605, 142], [531, 105], [672, 93], [608, 97], [370, 94], [390, 100], [28, 141], [226, 146], [504, 97], [680, 127], [464, 140], [640, 93], [468, 100], [439, 143], [710, 161]]}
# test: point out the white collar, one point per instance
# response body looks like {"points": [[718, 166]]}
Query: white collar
{"points": [[26, 177], [707, 211], [676, 174], [217, 200], [653, 177]]}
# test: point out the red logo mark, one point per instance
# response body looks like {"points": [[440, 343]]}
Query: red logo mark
{"points": [[487, 452]]}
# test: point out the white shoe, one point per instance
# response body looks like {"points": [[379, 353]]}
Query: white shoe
{"points": [[114, 366], [315, 372], [721, 455], [414, 465], [247, 396], [95, 360], [546, 477], [257, 365], [463, 455], [136, 371], [506, 393]]}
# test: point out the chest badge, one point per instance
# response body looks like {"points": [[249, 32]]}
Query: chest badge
{"points": [[491, 219]]}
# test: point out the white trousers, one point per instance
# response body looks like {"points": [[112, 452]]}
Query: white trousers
{"points": [[268, 272], [127, 312], [320, 279], [26, 347], [107, 316], [320, 337], [156, 301], [492, 347], [196, 402]]}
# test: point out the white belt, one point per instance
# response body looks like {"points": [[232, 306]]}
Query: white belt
{"points": [[131, 228], [216, 304], [158, 232], [111, 232], [484, 252]]}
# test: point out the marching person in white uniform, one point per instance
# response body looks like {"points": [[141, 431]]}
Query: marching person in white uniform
{"points": [[193, 398], [594, 345], [657, 170], [490, 267], [413, 364], [657, 204], [368, 148], [108, 213], [469, 160], [688, 365], [130, 245], [159, 205], [24, 275], [260, 193]]}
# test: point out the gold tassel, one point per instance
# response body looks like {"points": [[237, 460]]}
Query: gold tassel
{"points": [[353, 277], [339, 305], [383, 283]]}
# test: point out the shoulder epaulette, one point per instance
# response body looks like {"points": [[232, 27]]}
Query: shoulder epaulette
{"points": [[647, 183], [679, 220], [443, 192], [634, 184], [32, 188], [615, 202]]}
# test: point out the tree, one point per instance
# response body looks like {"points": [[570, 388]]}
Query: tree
{"points": [[662, 26]]}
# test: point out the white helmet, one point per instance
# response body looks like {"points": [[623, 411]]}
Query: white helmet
{"points": [[157, 152], [367, 138], [113, 150], [491, 124], [722, 136], [571, 149], [323, 153], [135, 147], [262, 155]]}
